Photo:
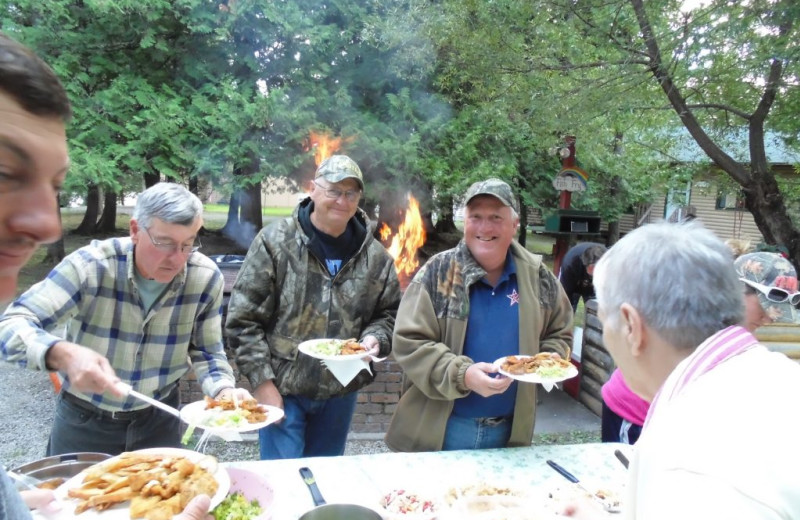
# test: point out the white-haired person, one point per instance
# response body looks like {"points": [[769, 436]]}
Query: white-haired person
{"points": [[34, 110], [720, 437], [135, 309]]}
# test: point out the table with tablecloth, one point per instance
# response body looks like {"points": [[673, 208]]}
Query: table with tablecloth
{"points": [[364, 479]]}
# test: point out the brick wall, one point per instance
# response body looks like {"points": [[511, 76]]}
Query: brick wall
{"points": [[376, 402]]}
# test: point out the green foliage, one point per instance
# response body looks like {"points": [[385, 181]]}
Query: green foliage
{"points": [[430, 96]]}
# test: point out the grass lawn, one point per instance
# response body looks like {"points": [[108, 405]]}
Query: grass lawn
{"points": [[269, 212]]}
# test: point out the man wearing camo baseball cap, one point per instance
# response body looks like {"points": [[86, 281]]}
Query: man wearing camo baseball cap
{"points": [[467, 307], [771, 294], [496, 188], [337, 168], [317, 274]]}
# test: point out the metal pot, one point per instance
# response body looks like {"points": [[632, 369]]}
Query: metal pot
{"points": [[325, 511], [61, 467]]}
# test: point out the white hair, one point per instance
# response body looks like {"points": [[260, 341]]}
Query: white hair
{"points": [[169, 202], [679, 277]]}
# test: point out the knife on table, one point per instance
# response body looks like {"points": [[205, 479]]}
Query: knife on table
{"points": [[572, 478]]}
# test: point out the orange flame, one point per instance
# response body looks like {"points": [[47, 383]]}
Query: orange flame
{"points": [[325, 145], [385, 232], [409, 238]]}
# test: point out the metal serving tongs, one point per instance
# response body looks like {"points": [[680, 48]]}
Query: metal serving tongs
{"points": [[611, 508], [126, 388]]}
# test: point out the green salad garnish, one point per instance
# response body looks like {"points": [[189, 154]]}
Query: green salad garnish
{"points": [[236, 507]]}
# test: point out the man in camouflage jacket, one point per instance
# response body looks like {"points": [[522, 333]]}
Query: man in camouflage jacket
{"points": [[317, 274], [432, 328]]}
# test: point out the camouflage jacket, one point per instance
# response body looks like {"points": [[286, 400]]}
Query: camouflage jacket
{"points": [[284, 295], [429, 341]]}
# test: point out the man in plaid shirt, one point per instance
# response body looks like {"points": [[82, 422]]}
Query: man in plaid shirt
{"points": [[140, 310]]}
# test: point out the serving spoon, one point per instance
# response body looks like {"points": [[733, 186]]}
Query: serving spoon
{"points": [[127, 390]]}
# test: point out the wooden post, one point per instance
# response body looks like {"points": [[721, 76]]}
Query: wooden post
{"points": [[564, 200]]}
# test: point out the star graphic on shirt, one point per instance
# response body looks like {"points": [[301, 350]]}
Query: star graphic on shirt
{"points": [[514, 297]]}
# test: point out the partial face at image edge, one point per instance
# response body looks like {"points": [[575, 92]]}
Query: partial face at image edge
{"points": [[33, 164]]}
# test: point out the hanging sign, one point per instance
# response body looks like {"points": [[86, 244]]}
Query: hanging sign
{"points": [[571, 178]]}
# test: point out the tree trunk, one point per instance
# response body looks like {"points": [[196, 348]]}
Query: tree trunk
{"points": [[250, 216], [193, 185], [522, 238], [151, 179], [55, 252], [762, 196], [89, 222], [613, 233], [108, 220], [231, 227], [249, 219], [446, 223]]}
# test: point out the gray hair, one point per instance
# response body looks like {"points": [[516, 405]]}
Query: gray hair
{"points": [[679, 277], [169, 202]]}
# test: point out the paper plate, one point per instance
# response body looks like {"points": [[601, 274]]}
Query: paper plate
{"points": [[195, 414], [309, 349], [533, 377]]}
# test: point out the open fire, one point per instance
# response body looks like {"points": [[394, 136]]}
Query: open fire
{"points": [[324, 145], [410, 236]]}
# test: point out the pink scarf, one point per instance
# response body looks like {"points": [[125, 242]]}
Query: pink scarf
{"points": [[717, 349]]}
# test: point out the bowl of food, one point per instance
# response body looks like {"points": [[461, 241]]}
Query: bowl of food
{"points": [[249, 497]]}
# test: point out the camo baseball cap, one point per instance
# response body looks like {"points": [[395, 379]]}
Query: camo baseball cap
{"points": [[764, 271], [337, 168], [496, 188]]}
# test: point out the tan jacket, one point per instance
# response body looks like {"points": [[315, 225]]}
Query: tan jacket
{"points": [[429, 335]]}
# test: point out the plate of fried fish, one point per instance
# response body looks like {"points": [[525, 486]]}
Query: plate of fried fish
{"points": [[151, 484]]}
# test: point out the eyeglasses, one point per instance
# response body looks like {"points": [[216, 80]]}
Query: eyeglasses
{"points": [[333, 193], [774, 294], [170, 247]]}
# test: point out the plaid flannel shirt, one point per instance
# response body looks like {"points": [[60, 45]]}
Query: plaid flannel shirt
{"points": [[91, 299]]}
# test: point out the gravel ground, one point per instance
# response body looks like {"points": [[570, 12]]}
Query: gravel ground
{"points": [[27, 415]]}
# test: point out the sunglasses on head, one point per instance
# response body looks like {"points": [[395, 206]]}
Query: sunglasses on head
{"points": [[774, 294]]}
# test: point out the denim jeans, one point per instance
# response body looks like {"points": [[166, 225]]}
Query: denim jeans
{"points": [[310, 428], [470, 433], [78, 428], [616, 429]]}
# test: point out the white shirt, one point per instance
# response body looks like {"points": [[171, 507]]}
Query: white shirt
{"points": [[726, 446]]}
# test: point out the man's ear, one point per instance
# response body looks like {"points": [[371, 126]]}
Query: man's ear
{"points": [[134, 227], [634, 329]]}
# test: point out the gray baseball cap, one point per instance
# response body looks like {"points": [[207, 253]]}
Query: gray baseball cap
{"points": [[495, 188], [337, 168]]}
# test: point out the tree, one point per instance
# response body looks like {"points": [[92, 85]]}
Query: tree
{"points": [[604, 69]]}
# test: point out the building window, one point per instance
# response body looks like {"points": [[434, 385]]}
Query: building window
{"points": [[730, 200]]}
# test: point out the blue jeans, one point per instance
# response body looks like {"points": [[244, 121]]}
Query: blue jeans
{"points": [[471, 433], [79, 426], [614, 428], [310, 428]]}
